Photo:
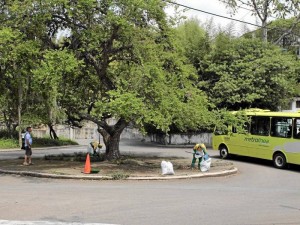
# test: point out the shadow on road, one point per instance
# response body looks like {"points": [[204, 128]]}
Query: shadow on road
{"points": [[262, 162]]}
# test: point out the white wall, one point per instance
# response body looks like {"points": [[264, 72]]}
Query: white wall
{"points": [[89, 132], [293, 107]]}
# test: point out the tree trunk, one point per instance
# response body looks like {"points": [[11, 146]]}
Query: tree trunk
{"points": [[111, 138], [8, 124], [52, 132], [264, 32], [111, 142], [112, 147], [20, 99]]}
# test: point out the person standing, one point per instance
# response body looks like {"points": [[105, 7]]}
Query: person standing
{"points": [[28, 143]]}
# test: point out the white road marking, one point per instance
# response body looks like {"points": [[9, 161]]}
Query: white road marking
{"points": [[9, 222]]}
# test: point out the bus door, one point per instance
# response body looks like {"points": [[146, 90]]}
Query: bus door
{"points": [[258, 142], [293, 149], [281, 134], [236, 141]]}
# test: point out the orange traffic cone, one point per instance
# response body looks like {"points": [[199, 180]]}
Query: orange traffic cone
{"points": [[87, 167]]}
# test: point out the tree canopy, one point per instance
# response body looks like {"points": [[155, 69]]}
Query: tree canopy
{"points": [[117, 59], [238, 73], [123, 60]]}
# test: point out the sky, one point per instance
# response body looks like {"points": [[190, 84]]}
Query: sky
{"points": [[217, 7]]}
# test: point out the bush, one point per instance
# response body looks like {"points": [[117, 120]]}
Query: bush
{"points": [[37, 142], [5, 134], [44, 142]]}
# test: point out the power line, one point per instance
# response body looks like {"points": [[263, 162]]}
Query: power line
{"points": [[241, 7], [213, 14], [241, 21]]}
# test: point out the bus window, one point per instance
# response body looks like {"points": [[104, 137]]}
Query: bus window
{"points": [[281, 127], [221, 130], [260, 125], [245, 129], [234, 130], [297, 128]]}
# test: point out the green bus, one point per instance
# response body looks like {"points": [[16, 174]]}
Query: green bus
{"points": [[268, 135]]}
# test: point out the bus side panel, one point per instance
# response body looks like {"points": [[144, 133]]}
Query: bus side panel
{"points": [[233, 142], [237, 145], [216, 141], [259, 146], [292, 151]]}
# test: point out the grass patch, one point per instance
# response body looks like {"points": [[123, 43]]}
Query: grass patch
{"points": [[119, 176], [8, 143], [37, 142]]}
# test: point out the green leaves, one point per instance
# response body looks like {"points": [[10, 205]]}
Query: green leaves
{"points": [[251, 74]]}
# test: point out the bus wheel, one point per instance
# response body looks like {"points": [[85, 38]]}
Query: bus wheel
{"points": [[279, 161], [224, 152]]}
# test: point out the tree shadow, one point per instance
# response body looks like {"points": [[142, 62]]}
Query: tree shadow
{"points": [[257, 161]]}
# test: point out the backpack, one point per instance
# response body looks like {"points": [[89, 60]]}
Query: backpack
{"points": [[23, 141]]}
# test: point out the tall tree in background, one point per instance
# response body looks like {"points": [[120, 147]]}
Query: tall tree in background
{"points": [[247, 73], [264, 9], [16, 61], [49, 84], [194, 40], [24, 35]]}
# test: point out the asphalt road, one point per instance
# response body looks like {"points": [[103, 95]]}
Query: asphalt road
{"points": [[258, 195]]}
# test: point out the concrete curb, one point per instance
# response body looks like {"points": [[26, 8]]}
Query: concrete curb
{"points": [[95, 177]]}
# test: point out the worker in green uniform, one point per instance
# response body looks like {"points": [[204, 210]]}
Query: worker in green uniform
{"points": [[199, 152]]}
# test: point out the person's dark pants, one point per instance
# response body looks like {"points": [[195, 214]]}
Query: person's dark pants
{"points": [[28, 151]]}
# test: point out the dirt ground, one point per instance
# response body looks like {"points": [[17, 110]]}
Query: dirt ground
{"points": [[128, 165]]}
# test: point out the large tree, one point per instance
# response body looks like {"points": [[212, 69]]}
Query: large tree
{"points": [[132, 70]]}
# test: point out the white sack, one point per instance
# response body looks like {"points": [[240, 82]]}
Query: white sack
{"points": [[167, 168], [205, 165]]}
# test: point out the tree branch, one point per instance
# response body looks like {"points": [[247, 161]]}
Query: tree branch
{"points": [[289, 31]]}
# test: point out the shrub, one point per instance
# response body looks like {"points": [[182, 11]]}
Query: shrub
{"points": [[5, 134], [119, 176], [42, 142], [37, 142]]}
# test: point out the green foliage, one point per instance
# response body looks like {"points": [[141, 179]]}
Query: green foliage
{"points": [[6, 134], [194, 41], [18, 55], [123, 60], [37, 142], [248, 73], [235, 119], [8, 143], [49, 82], [282, 32], [142, 77]]}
